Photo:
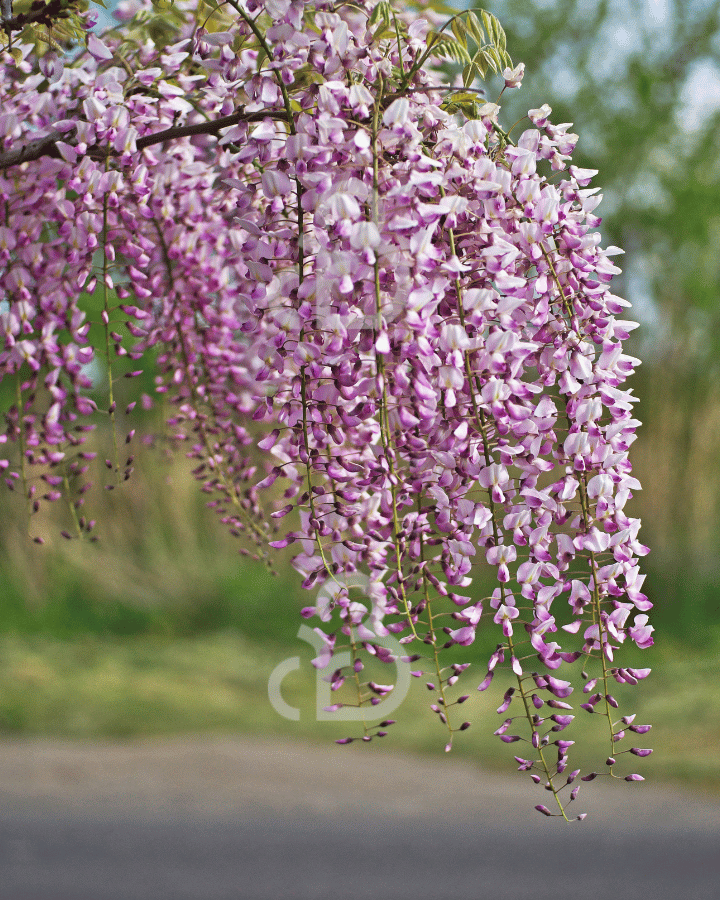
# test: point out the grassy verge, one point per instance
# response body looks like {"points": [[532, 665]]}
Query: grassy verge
{"points": [[160, 628], [217, 684]]}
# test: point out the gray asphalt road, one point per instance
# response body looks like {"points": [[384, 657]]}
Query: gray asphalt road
{"points": [[295, 824]]}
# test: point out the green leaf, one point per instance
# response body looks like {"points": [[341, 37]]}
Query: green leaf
{"points": [[450, 49], [305, 76], [475, 28], [380, 13], [463, 102], [493, 59], [458, 29], [502, 42], [489, 23], [384, 33], [462, 97], [478, 61], [481, 63]]}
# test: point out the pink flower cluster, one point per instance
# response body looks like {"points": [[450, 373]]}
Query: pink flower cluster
{"points": [[405, 311]]}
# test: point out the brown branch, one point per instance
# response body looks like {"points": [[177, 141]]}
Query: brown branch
{"points": [[210, 127], [47, 146], [40, 12]]}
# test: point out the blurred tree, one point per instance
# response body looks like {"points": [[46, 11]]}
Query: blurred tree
{"points": [[641, 81]]}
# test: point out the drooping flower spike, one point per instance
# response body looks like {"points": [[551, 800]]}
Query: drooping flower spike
{"points": [[374, 312]]}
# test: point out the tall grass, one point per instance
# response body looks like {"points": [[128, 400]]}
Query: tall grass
{"points": [[162, 564], [677, 460]]}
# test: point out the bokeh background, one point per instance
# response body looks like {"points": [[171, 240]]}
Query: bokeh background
{"points": [[161, 627]]}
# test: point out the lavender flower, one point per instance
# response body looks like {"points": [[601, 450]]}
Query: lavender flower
{"points": [[373, 317]]}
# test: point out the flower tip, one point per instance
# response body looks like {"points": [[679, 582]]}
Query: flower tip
{"points": [[97, 48], [513, 77]]}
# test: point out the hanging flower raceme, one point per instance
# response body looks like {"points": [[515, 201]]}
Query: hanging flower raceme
{"points": [[321, 240]]}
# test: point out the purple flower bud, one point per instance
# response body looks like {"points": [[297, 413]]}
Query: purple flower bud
{"points": [[507, 699], [485, 683]]}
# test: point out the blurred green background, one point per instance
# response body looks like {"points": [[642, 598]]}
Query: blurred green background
{"points": [[161, 627]]}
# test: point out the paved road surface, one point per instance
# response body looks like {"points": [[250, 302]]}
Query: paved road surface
{"points": [[210, 820]]}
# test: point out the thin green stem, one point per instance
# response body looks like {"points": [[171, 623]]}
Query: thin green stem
{"points": [[380, 369], [252, 24], [587, 521], [433, 639], [482, 426], [71, 505], [108, 352], [426, 55], [227, 487], [536, 736], [22, 448]]}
